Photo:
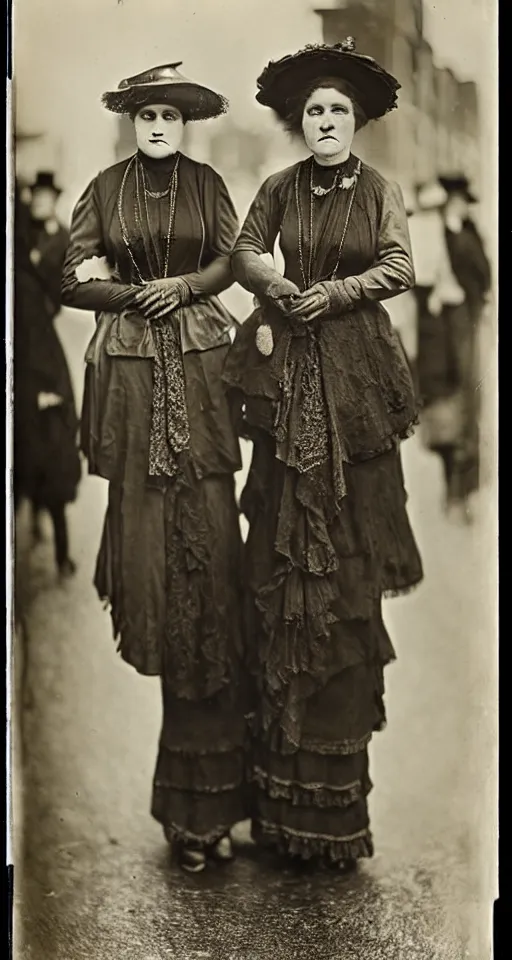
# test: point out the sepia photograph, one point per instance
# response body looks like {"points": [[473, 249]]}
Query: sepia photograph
{"points": [[252, 448]]}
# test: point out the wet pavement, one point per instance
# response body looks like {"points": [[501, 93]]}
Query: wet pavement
{"points": [[94, 880]]}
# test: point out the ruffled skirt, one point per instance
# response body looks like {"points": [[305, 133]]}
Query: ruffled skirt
{"points": [[169, 567], [317, 649]]}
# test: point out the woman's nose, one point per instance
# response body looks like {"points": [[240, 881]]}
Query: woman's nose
{"points": [[326, 124]]}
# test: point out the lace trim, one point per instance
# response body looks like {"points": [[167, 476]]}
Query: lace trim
{"points": [[338, 747], [297, 843], [305, 835], [309, 794], [173, 833], [222, 747], [224, 788], [197, 656]]}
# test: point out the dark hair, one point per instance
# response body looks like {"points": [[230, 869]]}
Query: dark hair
{"points": [[293, 118]]}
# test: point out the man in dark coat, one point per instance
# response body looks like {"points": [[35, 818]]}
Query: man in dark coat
{"points": [[46, 459]]}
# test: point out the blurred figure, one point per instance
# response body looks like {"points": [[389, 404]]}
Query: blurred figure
{"points": [[403, 311], [46, 459], [453, 278]]}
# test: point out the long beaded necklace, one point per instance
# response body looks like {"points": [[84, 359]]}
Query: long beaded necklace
{"points": [[172, 190], [307, 275]]}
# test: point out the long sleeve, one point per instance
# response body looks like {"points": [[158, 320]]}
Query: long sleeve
{"points": [[49, 269], [221, 224], [257, 237], [393, 271], [87, 241]]}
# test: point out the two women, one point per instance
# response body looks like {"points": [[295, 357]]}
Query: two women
{"points": [[324, 393]]}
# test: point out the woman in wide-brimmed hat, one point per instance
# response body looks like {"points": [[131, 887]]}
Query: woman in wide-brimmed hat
{"points": [[450, 313], [328, 398], [150, 244]]}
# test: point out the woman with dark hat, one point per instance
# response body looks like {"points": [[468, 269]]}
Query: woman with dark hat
{"points": [[448, 355], [149, 252], [46, 457], [327, 398]]}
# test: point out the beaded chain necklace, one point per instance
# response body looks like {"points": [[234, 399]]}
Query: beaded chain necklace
{"points": [[307, 275], [172, 190]]}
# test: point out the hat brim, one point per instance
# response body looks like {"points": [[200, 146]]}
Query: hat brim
{"points": [[284, 79], [194, 101], [45, 186]]}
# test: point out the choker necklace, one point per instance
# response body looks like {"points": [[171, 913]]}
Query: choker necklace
{"points": [[340, 182]]}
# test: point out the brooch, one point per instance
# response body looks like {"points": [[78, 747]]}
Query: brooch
{"points": [[265, 340]]}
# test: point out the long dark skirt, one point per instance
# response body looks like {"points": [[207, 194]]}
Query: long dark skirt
{"points": [[312, 801], [170, 565]]}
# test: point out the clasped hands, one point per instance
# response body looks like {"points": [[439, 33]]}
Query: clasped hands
{"points": [[305, 306], [159, 297]]}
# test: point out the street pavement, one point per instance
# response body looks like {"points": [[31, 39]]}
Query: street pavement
{"points": [[93, 877]]}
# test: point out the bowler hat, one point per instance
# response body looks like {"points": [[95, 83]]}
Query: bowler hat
{"points": [[165, 84], [45, 181], [457, 183]]}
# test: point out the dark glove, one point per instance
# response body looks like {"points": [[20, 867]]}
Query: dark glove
{"points": [[160, 297], [325, 299]]}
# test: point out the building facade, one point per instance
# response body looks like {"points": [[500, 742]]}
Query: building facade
{"points": [[437, 125]]}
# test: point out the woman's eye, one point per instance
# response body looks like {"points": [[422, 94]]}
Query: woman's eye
{"points": [[147, 116], [315, 111], [170, 116]]}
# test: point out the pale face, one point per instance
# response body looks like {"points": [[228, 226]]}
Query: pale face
{"points": [[329, 125], [43, 203], [159, 130], [457, 206]]}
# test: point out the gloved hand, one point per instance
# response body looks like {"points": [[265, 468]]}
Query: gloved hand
{"points": [[160, 297], [325, 298]]}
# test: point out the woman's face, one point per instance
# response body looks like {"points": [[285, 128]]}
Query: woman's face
{"points": [[457, 206], [43, 203], [329, 124], [158, 130]]}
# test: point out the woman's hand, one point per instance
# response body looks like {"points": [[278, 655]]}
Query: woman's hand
{"points": [[310, 305], [160, 297]]}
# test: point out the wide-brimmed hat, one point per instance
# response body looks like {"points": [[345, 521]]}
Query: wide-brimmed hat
{"points": [[282, 80], [165, 84], [45, 180], [457, 183]]}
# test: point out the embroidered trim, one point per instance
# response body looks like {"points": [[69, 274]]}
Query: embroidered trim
{"points": [[304, 835], [261, 775], [173, 832], [225, 788], [340, 747]]}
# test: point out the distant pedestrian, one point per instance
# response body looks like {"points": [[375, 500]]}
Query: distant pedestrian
{"points": [[451, 294], [46, 458]]}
